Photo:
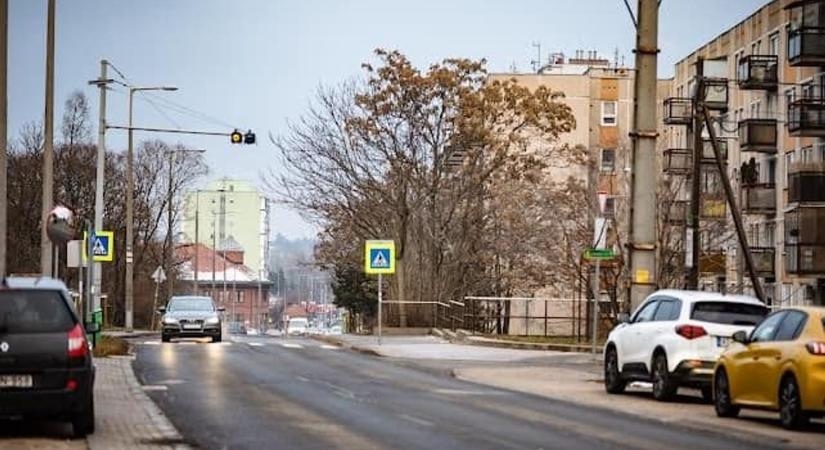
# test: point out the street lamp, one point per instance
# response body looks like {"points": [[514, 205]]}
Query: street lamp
{"points": [[130, 193]]}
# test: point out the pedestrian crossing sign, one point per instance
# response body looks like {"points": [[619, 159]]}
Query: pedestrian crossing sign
{"points": [[379, 257], [103, 246]]}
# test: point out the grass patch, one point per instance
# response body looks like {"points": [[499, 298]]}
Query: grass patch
{"points": [[111, 346]]}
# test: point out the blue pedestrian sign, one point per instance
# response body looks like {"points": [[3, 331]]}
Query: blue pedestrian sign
{"points": [[379, 257], [103, 246]]}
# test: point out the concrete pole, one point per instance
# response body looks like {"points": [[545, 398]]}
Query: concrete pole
{"points": [[693, 243], [197, 241], [643, 191], [48, 148], [4, 44], [130, 193], [170, 229], [99, 175], [596, 289]]}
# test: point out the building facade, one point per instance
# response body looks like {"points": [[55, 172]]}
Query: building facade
{"points": [[233, 209], [769, 85]]}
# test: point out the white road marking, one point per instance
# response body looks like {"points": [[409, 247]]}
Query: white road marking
{"points": [[171, 382], [151, 343], [340, 391], [330, 347], [304, 379], [255, 344], [465, 392], [154, 387], [416, 420], [288, 345]]}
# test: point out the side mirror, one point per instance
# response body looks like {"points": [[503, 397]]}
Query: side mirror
{"points": [[623, 318], [221, 308], [92, 327], [741, 337], [161, 309]]}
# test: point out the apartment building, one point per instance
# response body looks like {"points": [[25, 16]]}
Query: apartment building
{"points": [[767, 89], [230, 211]]}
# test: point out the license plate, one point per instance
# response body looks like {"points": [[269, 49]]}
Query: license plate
{"points": [[191, 326], [722, 341], [15, 381]]}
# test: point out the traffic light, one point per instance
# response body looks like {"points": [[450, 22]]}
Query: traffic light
{"points": [[236, 137], [249, 137]]}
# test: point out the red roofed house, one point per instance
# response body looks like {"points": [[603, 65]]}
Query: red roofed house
{"points": [[223, 276]]}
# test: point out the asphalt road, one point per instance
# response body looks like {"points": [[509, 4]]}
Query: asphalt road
{"points": [[301, 394]]}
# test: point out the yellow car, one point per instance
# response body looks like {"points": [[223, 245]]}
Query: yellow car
{"points": [[780, 366]]}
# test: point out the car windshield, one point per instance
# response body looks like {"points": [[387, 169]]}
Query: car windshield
{"points": [[730, 313], [190, 304], [34, 311]]}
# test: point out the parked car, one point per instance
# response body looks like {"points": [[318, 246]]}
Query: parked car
{"points": [[191, 316], [674, 339], [297, 326], [46, 368], [779, 366]]}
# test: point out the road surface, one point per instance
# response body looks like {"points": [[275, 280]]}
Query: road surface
{"points": [[261, 392]]}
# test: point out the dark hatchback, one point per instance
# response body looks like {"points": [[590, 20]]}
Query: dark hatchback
{"points": [[46, 369]]}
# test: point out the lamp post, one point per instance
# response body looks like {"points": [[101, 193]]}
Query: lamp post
{"points": [[130, 193]]}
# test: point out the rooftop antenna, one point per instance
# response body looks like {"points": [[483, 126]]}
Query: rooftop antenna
{"points": [[536, 63], [616, 58]]}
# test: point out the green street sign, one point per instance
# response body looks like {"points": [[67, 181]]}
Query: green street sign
{"points": [[599, 253]]}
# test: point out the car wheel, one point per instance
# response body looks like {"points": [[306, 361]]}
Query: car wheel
{"points": [[613, 382], [707, 394], [84, 423], [790, 405], [216, 338], [722, 400], [164, 338], [664, 386]]}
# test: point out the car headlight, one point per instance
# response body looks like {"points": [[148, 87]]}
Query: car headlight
{"points": [[213, 320], [170, 320]]}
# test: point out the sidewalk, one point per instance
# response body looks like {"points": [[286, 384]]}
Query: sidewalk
{"points": [[126, 418]]}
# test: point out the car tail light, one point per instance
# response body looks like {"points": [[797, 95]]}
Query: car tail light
{"points": [[71, 385], [816, 348], [78, 347], [690, 331]]}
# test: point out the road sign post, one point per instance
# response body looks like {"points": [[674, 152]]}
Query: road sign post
{"points": [[379, 259], [159, 276]]}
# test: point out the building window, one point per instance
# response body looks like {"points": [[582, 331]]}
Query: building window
{"points": [[789, 158], [608, 162], [773, 44], [808, 90], [610, 206], [790, 96], [240, 296], [609, 114]]}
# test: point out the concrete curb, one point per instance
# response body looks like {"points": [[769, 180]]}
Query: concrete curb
{"points": [[344, 344], [499, 343]]}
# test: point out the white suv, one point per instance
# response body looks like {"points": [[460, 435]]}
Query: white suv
{"points": [[674, 339]]}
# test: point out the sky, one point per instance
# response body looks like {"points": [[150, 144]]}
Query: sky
{"points": [[256, 64]]}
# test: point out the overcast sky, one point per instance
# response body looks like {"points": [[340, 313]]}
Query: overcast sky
{"points": [[257, 63]]}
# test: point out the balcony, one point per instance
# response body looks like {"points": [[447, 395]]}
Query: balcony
{"points": [[806, 117], [712, 262], [758, 135], [758, 72], [678, 161], [759, 198], [805, 241], [678, 111], [713, 207], [677, 214], [806, 182], [716, 93], [806, 46], [708, 156], [763, 260]]}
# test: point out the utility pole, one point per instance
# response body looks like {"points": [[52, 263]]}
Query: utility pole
{"points": [[170, 229], [48, 148], [693, 235], [4, 48], [642, 224], [99, 175], [197, 240]]}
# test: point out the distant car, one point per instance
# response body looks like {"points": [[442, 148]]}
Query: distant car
{"points": [[46, 368], [252, 331], [780, 366], [334, 330], [191, 316], [674, 339], [297, 326]]}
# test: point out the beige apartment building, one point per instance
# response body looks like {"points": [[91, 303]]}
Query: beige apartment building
{"points": [[767, 83]]}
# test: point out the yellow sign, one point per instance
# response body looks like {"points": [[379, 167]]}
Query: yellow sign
{"points": [[103, 247], [379, 257], [642, 276]]}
